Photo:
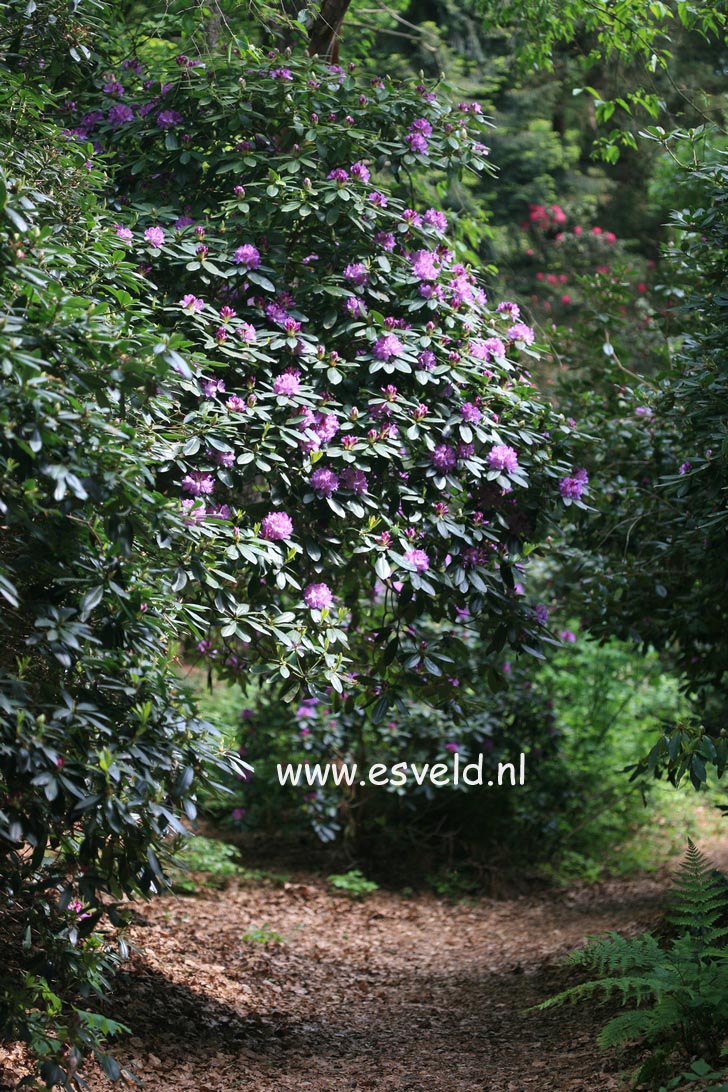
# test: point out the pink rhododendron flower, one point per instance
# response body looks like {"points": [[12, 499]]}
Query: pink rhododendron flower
{"points": [[248, 256], [288, 384], [276, 526], [502, 457], [154, 236], [318, 597], [419, 559], [521, 332], [192, 303]]}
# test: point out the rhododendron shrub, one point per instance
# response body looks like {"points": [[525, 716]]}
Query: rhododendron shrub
{"points": [[649, 568], [574, 268], [365, 414], [101, 752]]}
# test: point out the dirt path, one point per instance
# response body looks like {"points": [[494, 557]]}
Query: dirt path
{"points": [[390, 994]]}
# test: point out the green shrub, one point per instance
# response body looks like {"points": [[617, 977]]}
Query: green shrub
{"points": [[101, 751], [216, 860], [353, 883], [580, 718]]}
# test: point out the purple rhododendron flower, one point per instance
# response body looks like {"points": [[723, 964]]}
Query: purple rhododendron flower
{"points": [[386, 347], [192, 303], [210, 387], [419, 559], [542, 614], [326, 426], [120, 114], [246, 332], [124, 233], [355, 307], [378, 199], [427, 360], [324, 482], [487, 349], [521, 332], [248, 256], [410, 216], [470, 413], [573, 487], [155, 236], [417, 143], [444, 457], [424, 265], [567, 636], [323, 426], [360, 171], [570, 488], [223, 458], [338, 175], [508, 308], [317, 597], [198, 483], [168, 119], [276, 526], [435, 219], [502, 457], [193, 511], [386, 240], [452, 747], [236, 404], [356, 273], [221, 512], [288, 384], [89, 122], [356, 480], [77, 907]]}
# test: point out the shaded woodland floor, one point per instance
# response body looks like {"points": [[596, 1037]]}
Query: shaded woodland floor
{"points": [[393, 994]]}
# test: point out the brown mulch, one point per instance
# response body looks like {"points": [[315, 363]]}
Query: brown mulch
{"points": [[392, 994]]}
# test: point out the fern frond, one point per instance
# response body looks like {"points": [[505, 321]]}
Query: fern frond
{"points": [[625, 1028], [615, 954], [632, 988], [699, 897]]}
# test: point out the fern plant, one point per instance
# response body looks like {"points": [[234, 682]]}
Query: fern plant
{"points": [[677, 990]]}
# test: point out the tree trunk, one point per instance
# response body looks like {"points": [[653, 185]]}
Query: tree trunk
{"points": [[324, 34]]}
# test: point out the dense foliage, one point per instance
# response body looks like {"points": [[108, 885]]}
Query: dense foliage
{"points": [[264, 383], [260, 408], [649, 570], [99, 748], [677, 987], [364, 413]]}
